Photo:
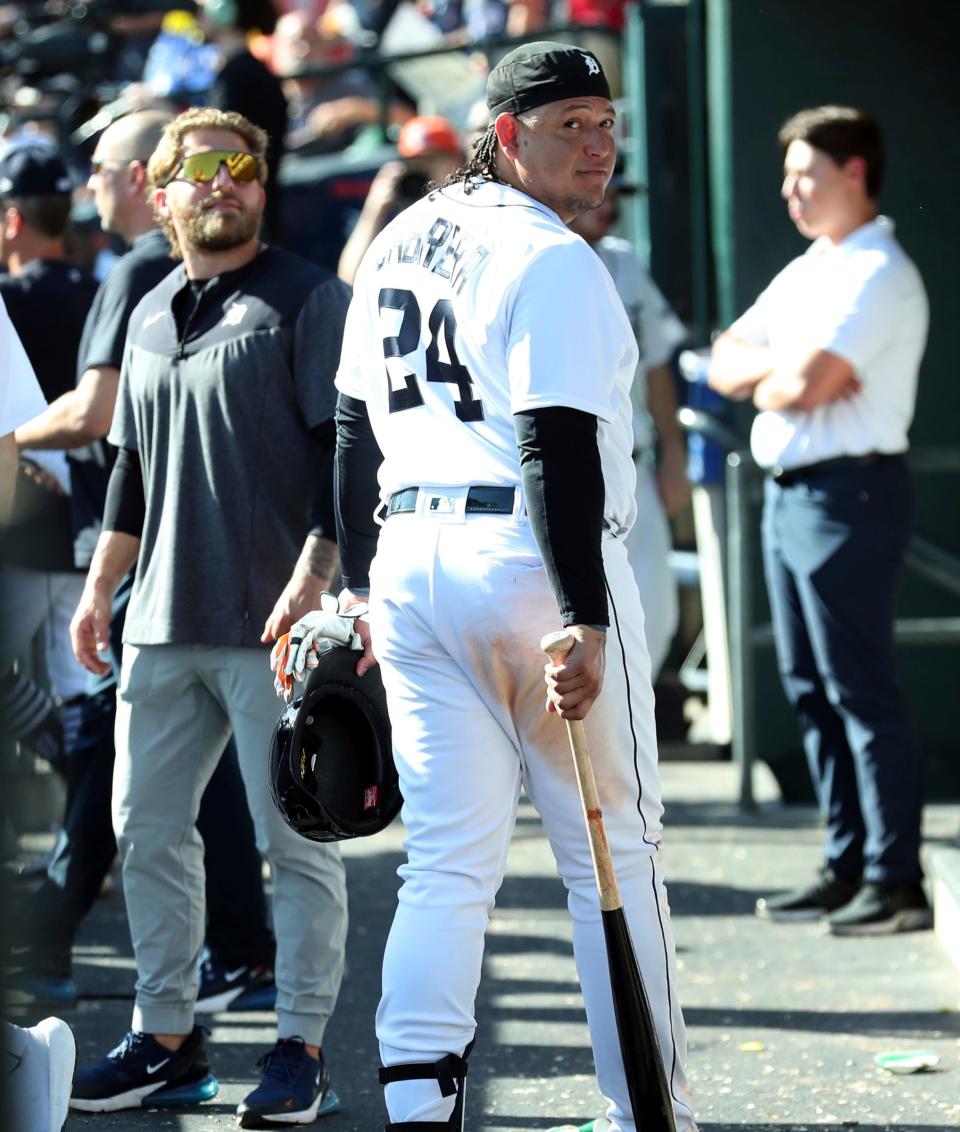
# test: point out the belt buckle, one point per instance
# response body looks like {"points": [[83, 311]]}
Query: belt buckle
{"points": [[441, 504]]}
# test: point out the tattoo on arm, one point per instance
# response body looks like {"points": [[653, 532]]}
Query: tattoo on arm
{"points": [[319, 557]]}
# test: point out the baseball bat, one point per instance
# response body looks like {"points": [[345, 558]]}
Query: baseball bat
{"points": [[639, 1047]]}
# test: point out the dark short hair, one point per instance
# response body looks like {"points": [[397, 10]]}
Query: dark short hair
{"points": [[48, 214], [841, 132]]}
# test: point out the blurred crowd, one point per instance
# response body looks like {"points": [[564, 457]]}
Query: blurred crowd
{"points": [[308, 72], [62, 63]]}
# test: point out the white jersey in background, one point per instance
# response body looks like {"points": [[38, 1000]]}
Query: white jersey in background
{"points": [[21, 398], [656, 328], [442, 388], [658, 332]]}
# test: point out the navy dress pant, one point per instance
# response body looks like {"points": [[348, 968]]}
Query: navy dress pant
{"points": [[834, 539]]}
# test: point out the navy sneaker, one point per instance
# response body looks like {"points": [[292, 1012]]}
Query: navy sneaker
{"points": [[234, 988], [32, 986], [141, 1071], [295, 1089]]}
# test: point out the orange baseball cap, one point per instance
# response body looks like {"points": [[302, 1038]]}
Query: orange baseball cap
{"points": [[428, 133]]}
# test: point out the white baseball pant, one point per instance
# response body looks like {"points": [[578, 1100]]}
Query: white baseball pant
{"points": [[458, 605]]}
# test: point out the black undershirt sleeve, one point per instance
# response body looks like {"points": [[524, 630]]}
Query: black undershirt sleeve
{"points": [[125, 508], [322, 522], [564, 493], [356, 492]]}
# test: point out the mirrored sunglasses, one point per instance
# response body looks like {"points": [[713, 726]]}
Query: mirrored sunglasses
{"points": [[203, 167]]}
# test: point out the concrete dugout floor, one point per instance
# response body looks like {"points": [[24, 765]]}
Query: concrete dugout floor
{"points": [[783, 1021]]}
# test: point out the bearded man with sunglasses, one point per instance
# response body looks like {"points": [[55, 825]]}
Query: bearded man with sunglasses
{"points": [[226, 385]]}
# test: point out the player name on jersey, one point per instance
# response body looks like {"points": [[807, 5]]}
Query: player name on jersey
{"points": [[445, 249]]}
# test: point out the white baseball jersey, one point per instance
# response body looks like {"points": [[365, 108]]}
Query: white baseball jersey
{"points": [[21, 398], [546, 329], [656, 328]]}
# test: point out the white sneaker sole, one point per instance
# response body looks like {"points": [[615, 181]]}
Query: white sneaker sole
{"points": [[324, 1105], [132, 1099], [159, 1095]]}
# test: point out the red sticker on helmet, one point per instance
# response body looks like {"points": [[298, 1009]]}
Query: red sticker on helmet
{"points": [[370, 796]]}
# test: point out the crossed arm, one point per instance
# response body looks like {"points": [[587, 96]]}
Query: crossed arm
{"points": [[741, 370]]}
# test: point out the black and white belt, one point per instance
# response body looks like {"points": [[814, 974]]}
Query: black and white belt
{"points": [[481, 500]]}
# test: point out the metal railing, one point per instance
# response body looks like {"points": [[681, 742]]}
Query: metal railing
{"points": [[742, 497]]}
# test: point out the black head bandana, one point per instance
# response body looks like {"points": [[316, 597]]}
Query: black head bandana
{"points": [[537, 73]]}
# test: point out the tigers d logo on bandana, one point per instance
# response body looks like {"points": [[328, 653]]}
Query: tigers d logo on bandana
{"points": [[593, 67]]}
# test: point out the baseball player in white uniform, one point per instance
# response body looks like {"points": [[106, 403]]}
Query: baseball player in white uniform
{"points": [[662, 488], [486, 374]]}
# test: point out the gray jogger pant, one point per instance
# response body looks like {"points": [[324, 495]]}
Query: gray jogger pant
{"points": [[176, 707]]}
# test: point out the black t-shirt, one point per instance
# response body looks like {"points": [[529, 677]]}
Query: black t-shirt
{"points": [[48, 303], [245, 85], [104, 334]]}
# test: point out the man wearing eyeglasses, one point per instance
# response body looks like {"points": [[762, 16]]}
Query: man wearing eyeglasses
{"points": [[226, 387]]}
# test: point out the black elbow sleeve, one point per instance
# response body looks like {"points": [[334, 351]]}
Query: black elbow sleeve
{"points": [[563, 488], [125, 508]]}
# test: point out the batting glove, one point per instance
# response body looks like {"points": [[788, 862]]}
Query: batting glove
{"points": [[298, 652]]}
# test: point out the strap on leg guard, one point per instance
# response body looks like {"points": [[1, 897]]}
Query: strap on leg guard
{"points": [[449, 1073]]}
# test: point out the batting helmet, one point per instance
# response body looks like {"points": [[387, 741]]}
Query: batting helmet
{"points": [[331, 764]]}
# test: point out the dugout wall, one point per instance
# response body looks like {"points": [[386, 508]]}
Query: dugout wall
{"points": [[766, 59]]}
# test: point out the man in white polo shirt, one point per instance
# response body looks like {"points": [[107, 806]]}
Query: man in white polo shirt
{"points": [[829, 354]]}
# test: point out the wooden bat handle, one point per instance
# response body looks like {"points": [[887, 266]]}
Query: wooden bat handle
{"points": [[557, 646]]}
